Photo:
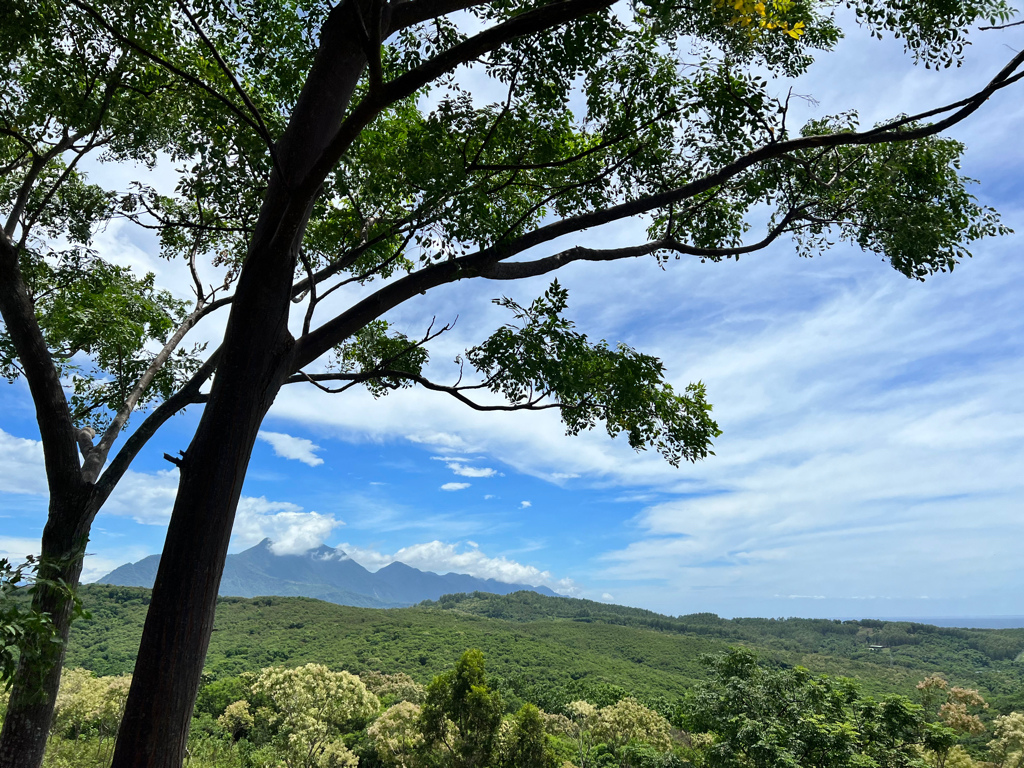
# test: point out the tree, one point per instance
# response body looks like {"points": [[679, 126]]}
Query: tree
{"points": [[461, 715], [307, 709], [789, 717], [525, 743], [1008, 745], [310, 160], [395, 735], [71, 92]]}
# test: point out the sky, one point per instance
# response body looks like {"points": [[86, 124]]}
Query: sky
{"points": [[873, 427]]}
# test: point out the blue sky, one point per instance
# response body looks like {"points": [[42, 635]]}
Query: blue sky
{"points": [[871, 461]]}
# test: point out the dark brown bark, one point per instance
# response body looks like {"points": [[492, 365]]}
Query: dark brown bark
{"points": [[34, 690]]}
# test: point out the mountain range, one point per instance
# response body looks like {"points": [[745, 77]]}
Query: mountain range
{"points": [[327, 574]]}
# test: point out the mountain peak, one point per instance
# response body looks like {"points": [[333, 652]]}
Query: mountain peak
{"points": [[325, 573], [324, 552]]}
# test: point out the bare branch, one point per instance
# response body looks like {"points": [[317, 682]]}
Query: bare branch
{"points": [[1004, 26], [98, 455], [308, 319], [516, 270], [38, 164], [187, 395], [406, 13], [371, 47], [534, 404]]}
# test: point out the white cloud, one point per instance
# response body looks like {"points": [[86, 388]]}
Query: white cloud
{"points": [[146, 498], [21, 465], [440, 440], [288, 447], [460, 466], [440, 557], [525, 504], [149, 499], [17, 548], [467, 471], [608, 597], [454, 486], [98, 564], [292, 530]]}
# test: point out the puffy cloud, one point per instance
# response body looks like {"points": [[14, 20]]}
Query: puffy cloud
{"points": [[440, 557], [146, 498], [525, 504], [149, 499], [454, 486], [21, 465], [98, 564], [288, 447], [16, 549], [292, 530]]}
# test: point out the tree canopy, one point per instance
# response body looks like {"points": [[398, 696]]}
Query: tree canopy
{"points": [[317, 146]]}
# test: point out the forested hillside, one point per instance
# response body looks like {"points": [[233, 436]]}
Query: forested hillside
{"points": [[549, 650]]}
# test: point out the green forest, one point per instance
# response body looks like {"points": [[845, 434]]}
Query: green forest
{"points": [[528, 680]]}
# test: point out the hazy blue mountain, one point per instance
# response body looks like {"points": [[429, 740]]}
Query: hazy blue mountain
{"points": [[326, 574]]}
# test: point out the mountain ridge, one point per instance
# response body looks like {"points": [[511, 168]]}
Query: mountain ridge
{"points": [[324, 573]]}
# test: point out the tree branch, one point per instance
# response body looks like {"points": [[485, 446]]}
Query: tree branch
{"points": [[60, 450], [187, 395], [317, 342], [546, 17], [262, 126], [357, 378], [97, 456], [516, 270], [162, 62], [406, 13]]}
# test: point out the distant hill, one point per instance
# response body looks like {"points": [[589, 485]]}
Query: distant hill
{"points": [[326, 574], [553, 650]]}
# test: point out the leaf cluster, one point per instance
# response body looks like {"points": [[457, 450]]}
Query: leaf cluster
{"points": [[544, 356]]}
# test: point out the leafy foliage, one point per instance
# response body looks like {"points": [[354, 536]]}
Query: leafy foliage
{"points": [[99, 321], [762, 717], [461, 715], [22, 628], [545, 356]]}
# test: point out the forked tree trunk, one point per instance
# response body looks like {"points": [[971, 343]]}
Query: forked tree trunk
{"points": [[37, 679]]}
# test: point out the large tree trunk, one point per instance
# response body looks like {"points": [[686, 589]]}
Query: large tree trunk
{"points": [[154, 732], [256, 360], [34, 690]]}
